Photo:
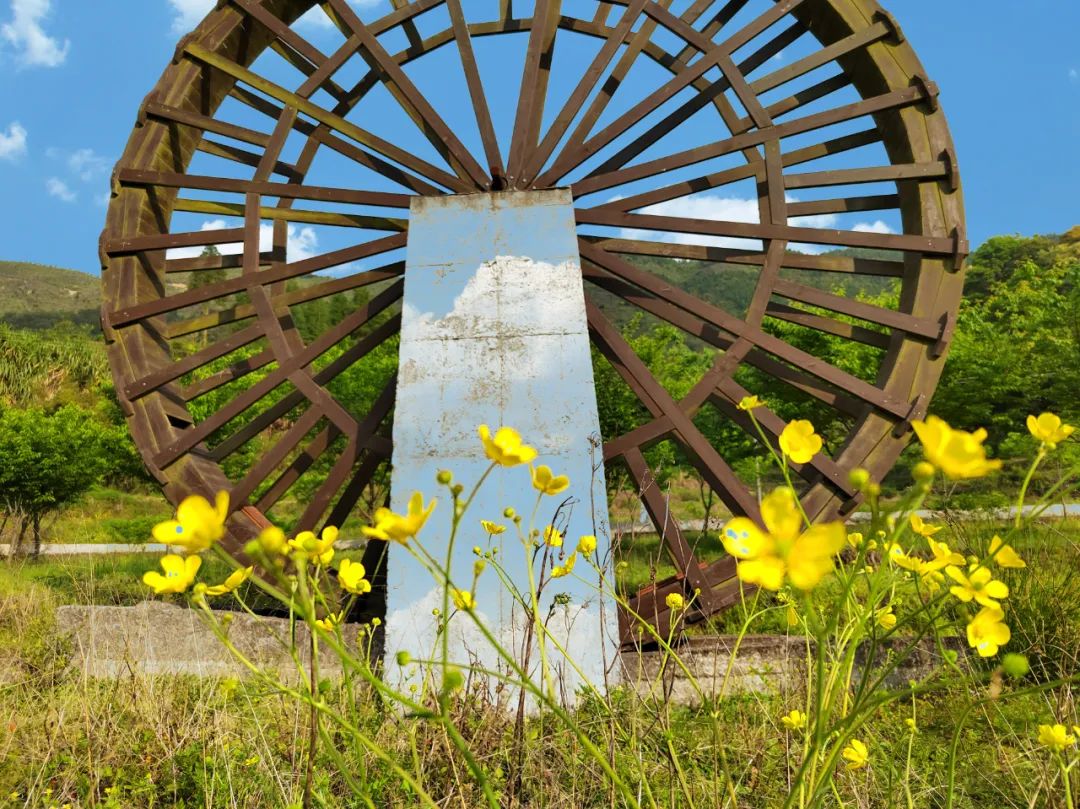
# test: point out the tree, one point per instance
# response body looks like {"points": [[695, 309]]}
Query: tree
{"points": [[47, 460]]}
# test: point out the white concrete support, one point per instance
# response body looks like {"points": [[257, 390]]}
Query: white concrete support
{"points": [[494, 332]]}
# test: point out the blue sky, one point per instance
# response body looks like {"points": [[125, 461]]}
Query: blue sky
{"points": [[73, 73]]}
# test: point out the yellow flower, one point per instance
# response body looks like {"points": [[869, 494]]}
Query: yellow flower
{"points": [[492, 528], [351, 577], [586, 545], [463, 599], [675, 602], [855, 539], [855, 754], [978, 584], [885, 618], [795, 720], [197, 526], [552, 537], [911, 725], [799, 442], [923, 528], [566, 568], [397, 527], [804, 557], [321, 549], [987, 632], [750, 403], [328, 623], [235, 579], [896, 554], [957, 453], [1004, 554], [942, 555], [505, 448], [1056, 737], [1049, 429], [273, 541], [546, 483], [179, 574]]}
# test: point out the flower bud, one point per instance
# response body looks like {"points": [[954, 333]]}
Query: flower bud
{"points": [[509, 513], [253, 548], [453, 679], [922, 472], [859, 478], [1015, 665], [444, 477], [478, 567], [456, 489], [403, 658]]}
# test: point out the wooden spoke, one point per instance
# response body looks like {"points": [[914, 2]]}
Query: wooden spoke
{"points": [[858, 109], [267, 189], [335, 122], [711, 466], [584, 87], [232, 286], [205, 123], [941, 245], [533, 94], [673, 304], [476, 92], [728, 255], [244, 157], [280, 375], [314, 292], [280, 409], [410, 99], [365, 432], [221, 348], [565, 162]]}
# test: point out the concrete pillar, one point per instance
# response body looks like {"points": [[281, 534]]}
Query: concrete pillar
{"points": [[494, 332]]}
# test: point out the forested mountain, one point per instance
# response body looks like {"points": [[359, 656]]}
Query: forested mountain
{"points": [[37, 296]]}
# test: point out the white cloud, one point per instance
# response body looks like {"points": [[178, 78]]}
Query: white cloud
{"points": [[59, 189], [87, 165], [189, 13], [301, 243], [13, 142], [873, 227], [34, 47]]}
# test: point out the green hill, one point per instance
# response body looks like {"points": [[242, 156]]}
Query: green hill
{"points": [[37, 296]]}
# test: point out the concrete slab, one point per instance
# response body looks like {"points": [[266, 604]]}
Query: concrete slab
{"points": [[155, 638]]}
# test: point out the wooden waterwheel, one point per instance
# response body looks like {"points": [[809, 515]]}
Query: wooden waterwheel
{"points": [[253, 252]]}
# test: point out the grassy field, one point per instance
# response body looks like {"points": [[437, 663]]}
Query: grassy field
{"points": [[180, 742], [184, 742]]}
